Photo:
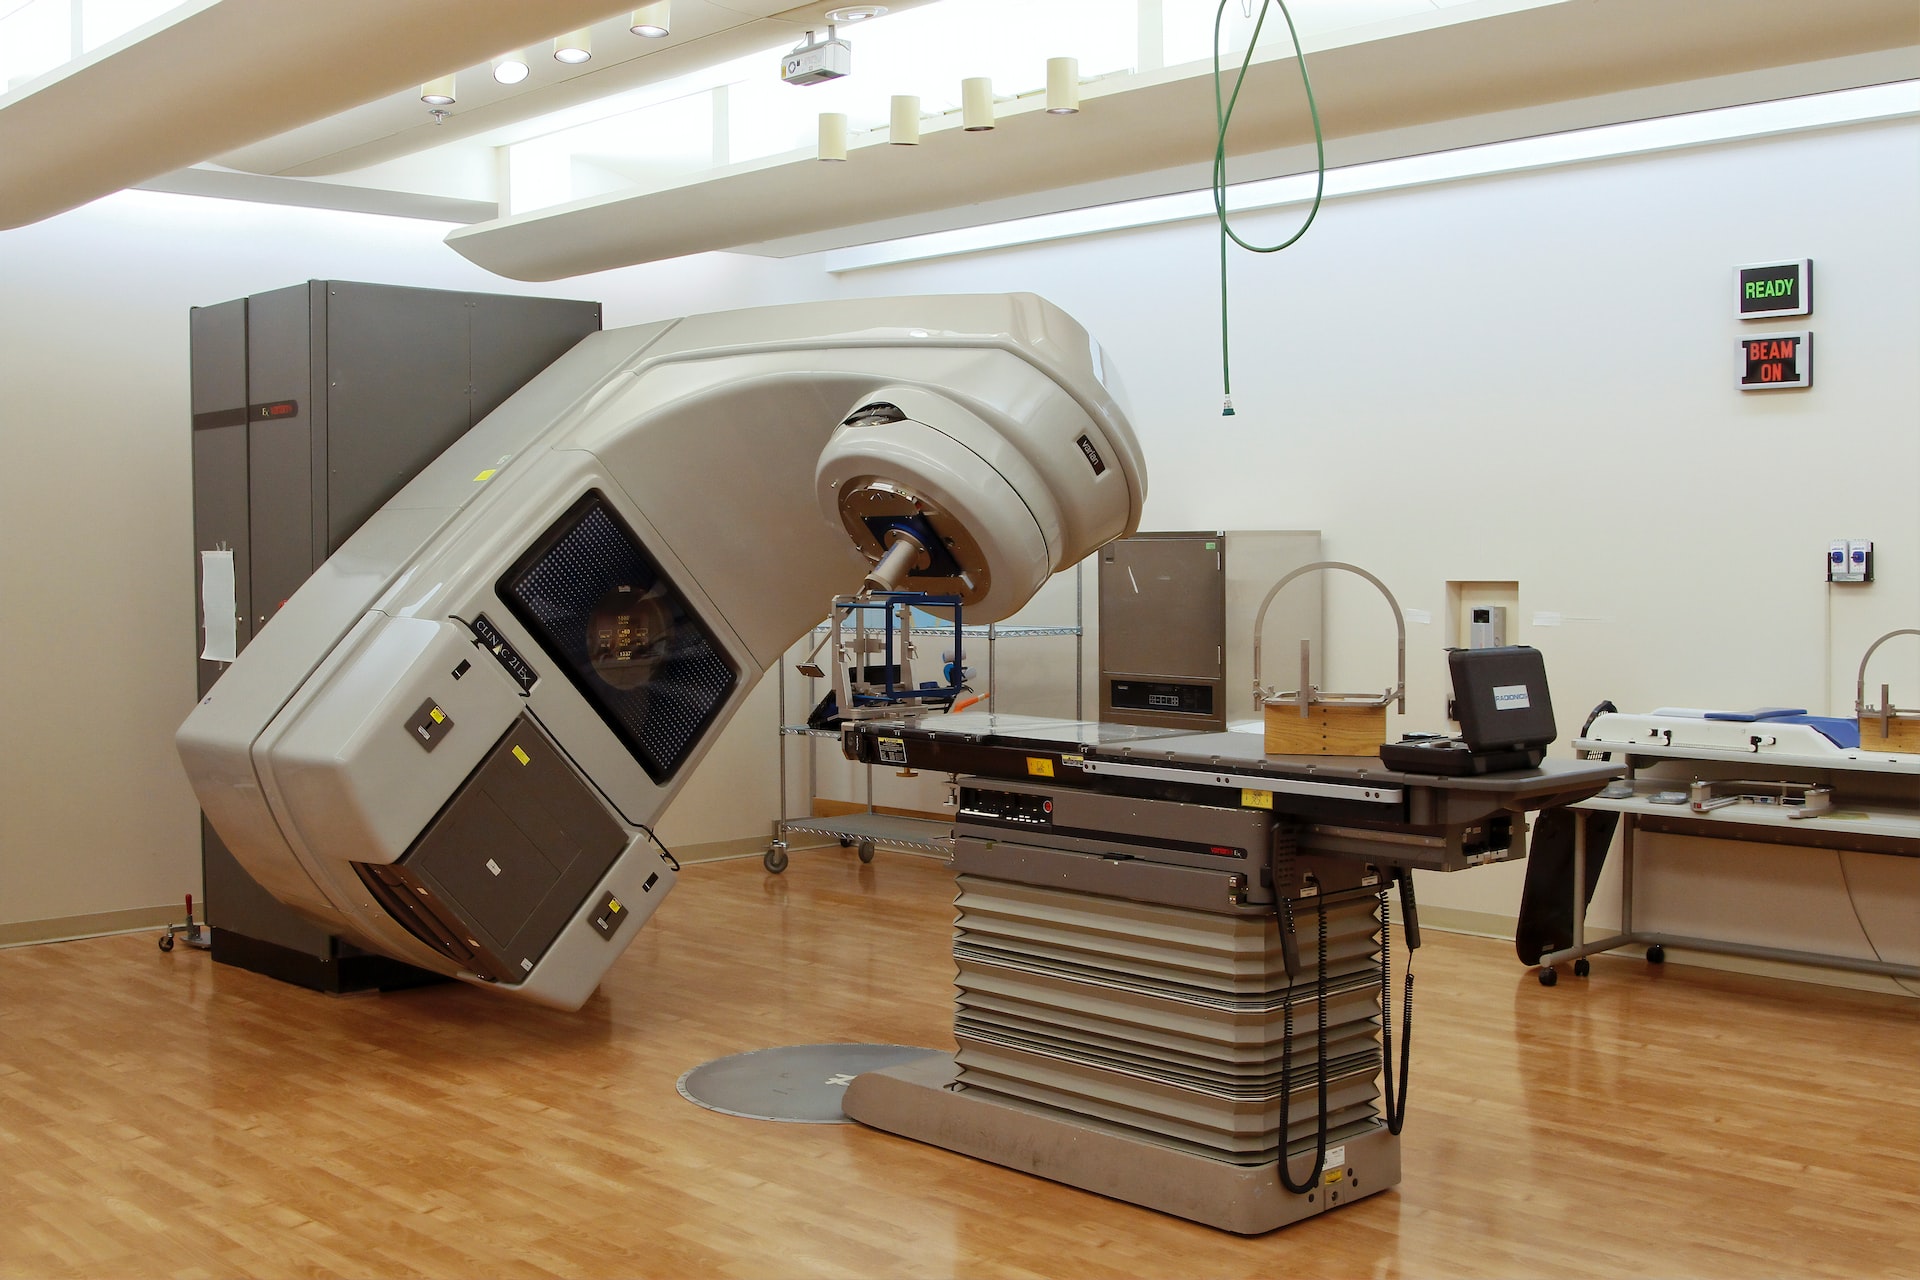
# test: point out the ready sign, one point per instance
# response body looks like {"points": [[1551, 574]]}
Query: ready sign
{"points": [[1775, 289], [1776, 360]]}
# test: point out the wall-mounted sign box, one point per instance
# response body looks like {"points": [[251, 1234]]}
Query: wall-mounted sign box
{"points": [[1775, 289], [1775, 361]]}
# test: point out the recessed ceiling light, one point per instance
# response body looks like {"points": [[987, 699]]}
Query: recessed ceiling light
{"points": [[654, 20], [510, 69], [438, 93], [855, 13], [574, 48]]}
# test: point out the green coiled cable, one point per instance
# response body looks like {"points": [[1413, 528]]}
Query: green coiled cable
{"points": [[1223, 105]]}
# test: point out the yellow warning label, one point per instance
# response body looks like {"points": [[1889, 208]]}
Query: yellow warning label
{"points": [[1256, 799], [521, 755], [488, 474], [1334, 1175], [439, 716], [1039, 767]]}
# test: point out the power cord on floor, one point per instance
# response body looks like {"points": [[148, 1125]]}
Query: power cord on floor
{"points": [[1841, 858], [1223, 106]]}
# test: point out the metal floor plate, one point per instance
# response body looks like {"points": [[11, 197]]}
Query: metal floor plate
{"points": [[798, 1084]]}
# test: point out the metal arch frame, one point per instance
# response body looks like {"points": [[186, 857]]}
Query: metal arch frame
{"points": [[1305, 694], [1886, 710]]}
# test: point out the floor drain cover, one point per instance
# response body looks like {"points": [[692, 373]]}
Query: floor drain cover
{"points": [[801, 1083]]}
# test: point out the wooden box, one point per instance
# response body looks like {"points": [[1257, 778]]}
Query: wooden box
{"points": [[1328, 729], [1903, 734]]}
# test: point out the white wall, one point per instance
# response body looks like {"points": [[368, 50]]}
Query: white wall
{"points": [[1525, 377]]}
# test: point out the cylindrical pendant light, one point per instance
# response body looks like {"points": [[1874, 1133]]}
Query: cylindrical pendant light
{"points": [[511, 69], [833, 135], [1063, 86], [903, 124], [653, 20], [575, 47], [976, 103], [438, 93]]}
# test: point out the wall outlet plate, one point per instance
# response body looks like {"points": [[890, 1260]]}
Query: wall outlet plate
{"points": [[1839, 561], [1860, 559]]}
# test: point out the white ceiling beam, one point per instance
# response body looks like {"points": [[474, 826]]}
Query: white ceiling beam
{"points": [[1557, 119], [254, 188], [231, 73], [1770, 118]]}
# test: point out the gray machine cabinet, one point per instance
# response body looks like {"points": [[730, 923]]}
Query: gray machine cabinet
{"points": [[1176, 623], [313, 405]]}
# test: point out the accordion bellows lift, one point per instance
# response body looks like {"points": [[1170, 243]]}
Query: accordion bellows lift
{"points": [[1173, 949]]}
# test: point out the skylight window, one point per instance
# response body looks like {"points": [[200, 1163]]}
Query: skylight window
{"points": [[38, 36]]}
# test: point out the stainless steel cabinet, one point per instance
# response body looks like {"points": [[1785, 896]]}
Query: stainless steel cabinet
{"points": [[1176, 621]]}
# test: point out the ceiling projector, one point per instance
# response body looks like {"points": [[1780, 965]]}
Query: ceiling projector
{"points": [[817, 61]]}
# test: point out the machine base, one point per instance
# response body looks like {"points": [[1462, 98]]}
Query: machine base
{"points": [[918, 1100], [341, 975]]}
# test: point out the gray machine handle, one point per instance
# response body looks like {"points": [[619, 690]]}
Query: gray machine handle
{"points": [[1398, 693], [1860, 682]]}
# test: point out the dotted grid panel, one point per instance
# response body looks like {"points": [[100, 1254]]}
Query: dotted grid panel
{"points": [[661, 720]]}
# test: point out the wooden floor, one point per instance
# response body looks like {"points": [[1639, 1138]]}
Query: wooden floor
{"points": [[160, 1116]]}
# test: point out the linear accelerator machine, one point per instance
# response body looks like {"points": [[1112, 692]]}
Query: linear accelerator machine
{"points": [[450, 742]]}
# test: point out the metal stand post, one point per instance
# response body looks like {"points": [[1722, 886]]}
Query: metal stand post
{"points": [[992, 631], [1079, 640]]}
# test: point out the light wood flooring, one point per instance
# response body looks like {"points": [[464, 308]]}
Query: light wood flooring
{"points": [[160, 1116]]}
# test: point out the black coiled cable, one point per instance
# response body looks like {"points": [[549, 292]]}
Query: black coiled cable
{"points": [[659, 844], [1320, 1065], [1396, 1103]]}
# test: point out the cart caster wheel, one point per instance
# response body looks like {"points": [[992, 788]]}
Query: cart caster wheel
{"points": [[866, 851], [1581, 968], [1548, 977], [1656, 954], [166, 942], [846, 842], [775, 861]]}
